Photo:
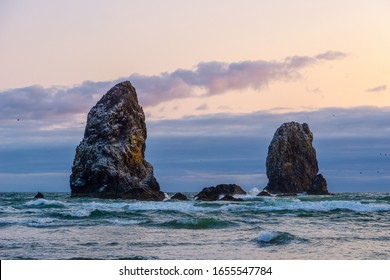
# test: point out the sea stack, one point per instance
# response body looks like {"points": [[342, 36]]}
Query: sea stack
{"points": [[291, 163], [110, 160]]}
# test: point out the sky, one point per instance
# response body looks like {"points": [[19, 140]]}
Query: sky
{"points": [[215, 79]]}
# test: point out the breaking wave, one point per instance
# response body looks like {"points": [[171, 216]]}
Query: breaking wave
{"points": [[274, 238]]}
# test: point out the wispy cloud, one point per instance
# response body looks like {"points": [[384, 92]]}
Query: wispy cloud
{"points": [[214, 78], [377, 88], [205, 79], [39, 103], [202, 107], [331, 55]]}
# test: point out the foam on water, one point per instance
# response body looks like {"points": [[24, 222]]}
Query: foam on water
{"points": [[267, 236], [44, 202], [274, 238], [254, 192], [79, 213], [43, 222], [196, 223], [326, 206], [296, 205], [126, 222], [165, 206]]}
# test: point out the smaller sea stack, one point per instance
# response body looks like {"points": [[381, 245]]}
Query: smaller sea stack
{"points": [[291, 163]]}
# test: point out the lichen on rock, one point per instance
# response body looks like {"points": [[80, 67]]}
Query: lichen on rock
{"points": [[110, 160]]}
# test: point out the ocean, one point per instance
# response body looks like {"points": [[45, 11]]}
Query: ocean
{"points": [[343, 226]]}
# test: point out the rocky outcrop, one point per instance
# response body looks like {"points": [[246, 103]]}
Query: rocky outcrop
{"points": [[291, 163], [39, 195], [319, 186], [110, 160], [215, 193], [179, 196]]}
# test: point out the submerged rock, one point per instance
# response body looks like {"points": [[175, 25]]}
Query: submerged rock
{"points": [[291, 163], [214, 193], [110, 160], [228, 197], [179, 196], [39, 195]]}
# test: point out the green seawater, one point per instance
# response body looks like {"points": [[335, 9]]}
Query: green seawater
{"points": [[343, 226]]}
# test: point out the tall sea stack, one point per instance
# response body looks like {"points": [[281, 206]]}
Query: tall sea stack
{"points": [[110, 160], [291, 163]]}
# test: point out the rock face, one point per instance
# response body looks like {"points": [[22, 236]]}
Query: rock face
{"points": [[292, 163], [319, 186], [179, 196], [214, 193], [109, 162]]}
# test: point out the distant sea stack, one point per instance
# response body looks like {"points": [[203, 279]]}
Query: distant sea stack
{"points": [[291, 163], [110, 160]]}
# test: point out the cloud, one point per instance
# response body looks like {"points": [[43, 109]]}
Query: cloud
{"points": [[377, 88], [194, 152], [202, 107], [326, 123], [331, 55], [39, 103], [313, 90], [206, 79]]}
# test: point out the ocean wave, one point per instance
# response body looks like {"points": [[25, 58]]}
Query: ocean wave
{"points": [[297, 205], [126, 222], [8, 210], [165, 206], [78, 213], [193, 223], [44, 203], [274, 238], [326, 206], [43, 222]]}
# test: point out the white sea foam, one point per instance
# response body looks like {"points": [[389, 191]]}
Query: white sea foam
{"points": [[79, 213], [267, 236], [173, 206], [126, 222], [105, 206], [8, 210], [329, 206], [295, 205], [42, 222], [42, 201], [254, 192]]}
